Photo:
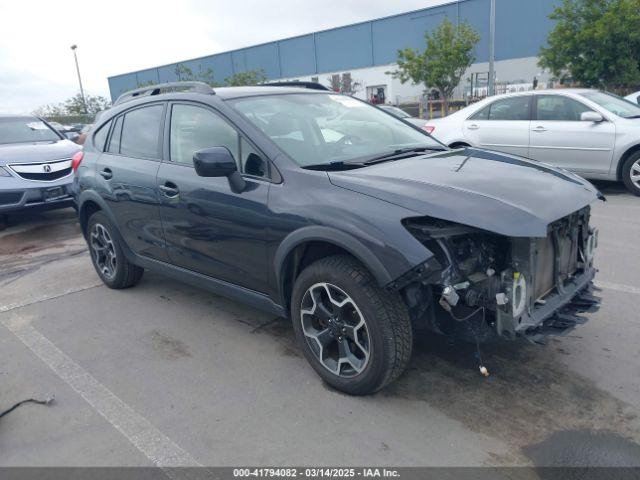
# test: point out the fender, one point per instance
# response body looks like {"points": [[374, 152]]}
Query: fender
{"points": [[336, 237], [90, 195]]}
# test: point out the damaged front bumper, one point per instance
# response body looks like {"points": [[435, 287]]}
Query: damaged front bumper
{"points": [[486, 286], [558, 313]]}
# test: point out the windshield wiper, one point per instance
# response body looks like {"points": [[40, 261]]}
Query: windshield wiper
{"points": [[398, 154], [334, 166]]}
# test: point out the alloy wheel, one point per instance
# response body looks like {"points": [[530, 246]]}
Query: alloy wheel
{"points": [[634, 173], [335, 330], [103, 250]]}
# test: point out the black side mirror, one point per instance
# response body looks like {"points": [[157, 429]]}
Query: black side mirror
{"points": [[219, 162]]}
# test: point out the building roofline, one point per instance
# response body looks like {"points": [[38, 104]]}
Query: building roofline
{"points": [[363, 22]]}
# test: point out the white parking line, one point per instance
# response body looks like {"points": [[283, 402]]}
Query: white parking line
{"points": [[618, 287], [156, 446], [44, 298]]}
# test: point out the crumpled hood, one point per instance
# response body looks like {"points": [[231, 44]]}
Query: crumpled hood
{"points": [[37, 152], [497, 192]]}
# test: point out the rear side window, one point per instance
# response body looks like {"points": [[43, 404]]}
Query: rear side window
{"points": [[559, 108], [141, 132], [100, 137], [114, 143], [514, 108]]}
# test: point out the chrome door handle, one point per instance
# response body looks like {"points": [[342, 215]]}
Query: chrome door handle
{"points": [[473, 126], [107, 174], [539, 129], [169, 190]]}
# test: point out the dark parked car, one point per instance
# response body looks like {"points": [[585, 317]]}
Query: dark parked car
{"points": [[35, 165], [360, 233]]}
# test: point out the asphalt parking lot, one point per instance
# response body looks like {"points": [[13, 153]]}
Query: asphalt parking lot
{"points": [[171, 374]]}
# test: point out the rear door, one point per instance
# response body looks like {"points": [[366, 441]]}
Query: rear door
{"points": [[126, 178], [502, 125], [210, 229], [560, 138]]}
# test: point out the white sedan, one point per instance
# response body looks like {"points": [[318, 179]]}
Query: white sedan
{"points": [[634, 97], [592, 133]]}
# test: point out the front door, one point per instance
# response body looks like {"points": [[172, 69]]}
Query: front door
{"points": [[126, 178], [502, 125], [560, 138], [208, 228]]}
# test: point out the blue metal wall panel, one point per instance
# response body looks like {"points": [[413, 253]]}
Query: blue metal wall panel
{"points": [[344, 48], [522, 27], [122, 83], [263, 57], [476, 14], [167, 73], [221, 66], [297, 56], [405, 31], [145, 77]]}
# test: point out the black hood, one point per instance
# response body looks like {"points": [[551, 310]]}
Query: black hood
{"points": [[496, 192], [37, 152]]}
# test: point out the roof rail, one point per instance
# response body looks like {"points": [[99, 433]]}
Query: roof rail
{"points": [[309, 85], [196, 87]]}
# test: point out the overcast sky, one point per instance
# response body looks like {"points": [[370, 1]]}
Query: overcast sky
{"points": [[118, 36]]}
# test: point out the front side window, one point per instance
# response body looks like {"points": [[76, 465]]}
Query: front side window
{"points": [[513, 108], [25, 130], [559, 108], [616, 105], [318, 128], [140, 132], [196, 128]]}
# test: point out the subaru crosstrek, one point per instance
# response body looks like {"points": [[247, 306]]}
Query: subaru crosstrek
{"points": [[35, 165], [356, 225]]}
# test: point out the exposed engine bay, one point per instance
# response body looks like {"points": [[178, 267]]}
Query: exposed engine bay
{"points": [[479, 285]]}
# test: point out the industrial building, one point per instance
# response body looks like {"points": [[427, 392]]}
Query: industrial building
{"points": [[360, 56]]}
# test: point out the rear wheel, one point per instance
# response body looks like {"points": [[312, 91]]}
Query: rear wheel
{"points": [[631, 173], [354, 334], [107, 256]]}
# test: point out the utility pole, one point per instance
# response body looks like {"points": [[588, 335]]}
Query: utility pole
{"points": [[492, 49], [84, 101]]}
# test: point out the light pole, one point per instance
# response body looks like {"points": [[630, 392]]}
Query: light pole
{"points": [[84, 102], [492, 48]]}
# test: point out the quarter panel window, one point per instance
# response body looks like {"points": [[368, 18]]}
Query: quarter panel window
{"points": [[195, 128], [559, 108], [114, 143], [100, 137], [140, 132]]}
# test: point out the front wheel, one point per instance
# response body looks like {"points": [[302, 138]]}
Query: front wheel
{"points": [[355, 335], [631, 173]]}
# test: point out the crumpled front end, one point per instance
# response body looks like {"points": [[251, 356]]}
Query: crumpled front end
{"points": [[483, 285]]}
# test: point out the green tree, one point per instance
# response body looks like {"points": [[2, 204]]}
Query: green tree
{"points": [[250, 77], [595, 42], [449, 52], [186, 74], [74, 106]]}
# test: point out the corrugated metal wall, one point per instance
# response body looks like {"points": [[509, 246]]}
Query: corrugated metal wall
{"points": [[521, 29]]}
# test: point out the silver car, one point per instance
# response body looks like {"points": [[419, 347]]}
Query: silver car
{"points": [[36, 165], [592, 133]]}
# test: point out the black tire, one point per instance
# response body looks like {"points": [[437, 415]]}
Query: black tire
{"points": [[388, 327], [124, 274], [633, 160]]}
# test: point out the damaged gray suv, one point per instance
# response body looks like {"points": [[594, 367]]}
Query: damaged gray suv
{"points": [[356, 225]]}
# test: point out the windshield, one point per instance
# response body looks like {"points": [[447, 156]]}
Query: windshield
{"points": [[616, 105], [396, 111], [317, 129], [25, 130]]}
